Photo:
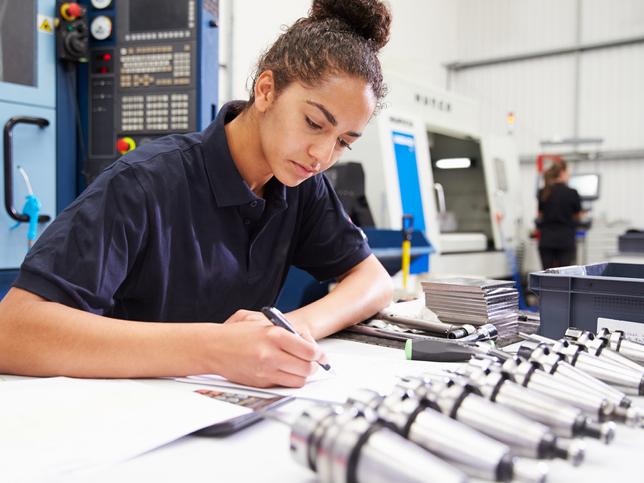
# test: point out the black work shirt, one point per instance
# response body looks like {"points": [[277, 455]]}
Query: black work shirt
{"points": [[558, 224], [171, 232]]}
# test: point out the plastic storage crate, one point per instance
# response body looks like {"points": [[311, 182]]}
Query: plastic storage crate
{"points": [[577, 296]]}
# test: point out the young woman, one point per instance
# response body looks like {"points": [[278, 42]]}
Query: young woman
{"points": [[202, 228], [559, 212]]}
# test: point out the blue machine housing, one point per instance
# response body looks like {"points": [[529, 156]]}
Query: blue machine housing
{"points": [[66, 97], [28, 103]]}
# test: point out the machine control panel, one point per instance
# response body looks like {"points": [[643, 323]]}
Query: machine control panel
{"points": [[71, 32], [100, 4], [143, 74], [101, 27]]}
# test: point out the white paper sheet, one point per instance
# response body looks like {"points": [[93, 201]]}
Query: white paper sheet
{"points": [[220, 381], [350, 373], [53, 427]]}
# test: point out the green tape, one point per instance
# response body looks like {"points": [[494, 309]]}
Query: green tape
{"points": [[408, 349]]}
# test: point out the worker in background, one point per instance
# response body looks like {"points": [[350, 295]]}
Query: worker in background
{"points": [[203, 228], [559, 213]]}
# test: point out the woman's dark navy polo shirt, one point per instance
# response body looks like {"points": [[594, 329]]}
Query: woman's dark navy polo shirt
{"points": [[171, 232]]}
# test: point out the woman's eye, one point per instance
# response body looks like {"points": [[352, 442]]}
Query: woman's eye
{"points": [[312, 124], [344, 144]]}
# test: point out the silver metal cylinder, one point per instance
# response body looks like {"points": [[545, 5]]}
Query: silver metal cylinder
{"points": [[618, 358], [346, 447], [627, 348], [611, 373], [336, 445], [521, 434], [564, 420], [307, 432], [530, 471], [388, 457], [524, 436], [583, 383], [561, 418], [579, 379], [474, 453], [601, 348], [602, 369], [594, 405], [618, 342], [458, 444]]}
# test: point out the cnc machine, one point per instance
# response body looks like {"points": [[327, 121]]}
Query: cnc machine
{"points": [[426, 154], [82, 83]]}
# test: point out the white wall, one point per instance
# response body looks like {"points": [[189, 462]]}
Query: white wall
{"points": [[423, 38], [541, 92], [426, 34], [501, 27]]}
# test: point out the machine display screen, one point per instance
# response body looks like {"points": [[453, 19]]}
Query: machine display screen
{"points": [[587, 185], [158, 15]]}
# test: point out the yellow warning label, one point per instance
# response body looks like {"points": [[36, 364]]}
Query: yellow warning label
{"points": [[45, 24]]}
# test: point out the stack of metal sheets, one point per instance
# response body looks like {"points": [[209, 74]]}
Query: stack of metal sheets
{"points": [[475, 301]]}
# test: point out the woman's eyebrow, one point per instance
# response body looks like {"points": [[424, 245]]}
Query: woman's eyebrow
{"points": [[331, 118]]}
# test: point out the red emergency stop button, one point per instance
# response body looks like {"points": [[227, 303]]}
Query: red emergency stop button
{"points": [[125, 144], [70, 11]]}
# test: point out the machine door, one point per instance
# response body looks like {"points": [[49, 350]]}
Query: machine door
{"points": [[504, 190], [27, 118]]}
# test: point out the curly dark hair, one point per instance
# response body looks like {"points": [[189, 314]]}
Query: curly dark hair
{"points": [[338, 36]]}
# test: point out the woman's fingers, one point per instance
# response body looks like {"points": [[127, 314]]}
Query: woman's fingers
{"points": [[296, 345], [245, 316]]}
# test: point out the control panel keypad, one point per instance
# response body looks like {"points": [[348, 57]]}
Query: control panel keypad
{"points": [[158, 65]]}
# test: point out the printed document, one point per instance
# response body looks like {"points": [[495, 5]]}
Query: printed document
{"points": [[51, 428]]}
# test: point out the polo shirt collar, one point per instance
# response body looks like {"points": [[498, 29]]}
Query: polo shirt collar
{"points": [[227, 185]]}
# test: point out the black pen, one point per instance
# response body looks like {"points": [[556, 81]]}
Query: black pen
{"points": [[277, 318]]}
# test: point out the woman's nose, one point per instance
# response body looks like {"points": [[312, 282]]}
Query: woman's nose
{"points": [[321, 152]]}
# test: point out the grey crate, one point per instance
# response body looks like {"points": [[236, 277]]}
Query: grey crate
{"points": [[577, 296]]}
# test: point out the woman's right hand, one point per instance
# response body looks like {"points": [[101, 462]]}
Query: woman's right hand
{"points": [[250, 350]]}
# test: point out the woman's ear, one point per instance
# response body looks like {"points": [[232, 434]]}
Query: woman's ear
{"points": [[264, 91]]}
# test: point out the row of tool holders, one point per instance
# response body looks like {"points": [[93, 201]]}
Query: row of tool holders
{"points": [[497, 417]]}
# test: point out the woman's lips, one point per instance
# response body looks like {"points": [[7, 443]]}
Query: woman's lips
{"points": [[301, 170]]}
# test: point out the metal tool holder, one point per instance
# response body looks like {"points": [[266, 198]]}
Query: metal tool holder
{"points": [[630, 381], [621, 344], [565, 420], [476, 454], [481, 420], [581, 382], [344, 446]]}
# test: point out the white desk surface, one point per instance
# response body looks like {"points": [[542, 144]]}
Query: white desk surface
{"points": [[261, 452]]}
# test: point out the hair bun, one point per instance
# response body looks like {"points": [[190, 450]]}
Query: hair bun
{"points": [[371, 19]]}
